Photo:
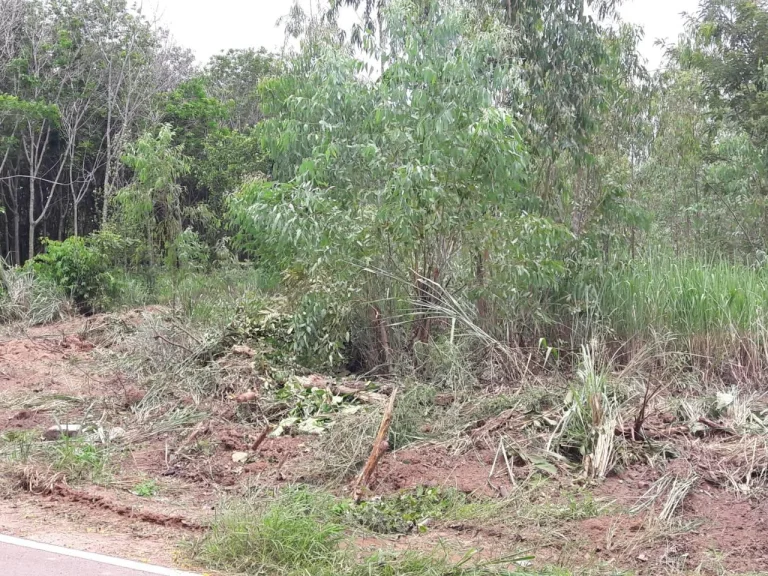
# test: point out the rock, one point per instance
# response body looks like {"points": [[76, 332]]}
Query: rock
{"points": [[239, 457], [62, 430]]}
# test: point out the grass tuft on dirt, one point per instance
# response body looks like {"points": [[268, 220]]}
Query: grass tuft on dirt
{"points": [[306, 532]]}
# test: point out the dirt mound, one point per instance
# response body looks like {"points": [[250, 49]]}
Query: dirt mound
{"points": [[431, 465]]}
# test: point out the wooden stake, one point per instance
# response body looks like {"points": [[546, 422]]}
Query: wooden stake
{"points": [[379, 447], [261, 438]]}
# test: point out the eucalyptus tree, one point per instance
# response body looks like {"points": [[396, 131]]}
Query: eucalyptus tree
{"points": [[408, 177], [233, 78]]}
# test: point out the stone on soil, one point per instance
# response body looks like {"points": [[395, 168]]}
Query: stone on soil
{"points": [[62, 430]]}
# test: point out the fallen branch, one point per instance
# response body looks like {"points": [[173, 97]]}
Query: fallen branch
{"points": [[380, 445], [651, 434], [494, 424], [197, 431], [718, 427], [367, 396], [172, 343]]}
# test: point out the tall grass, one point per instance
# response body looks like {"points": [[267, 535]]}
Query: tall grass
{"points": [[714, 310], [24, 297], [208, 297], [684, 296]]}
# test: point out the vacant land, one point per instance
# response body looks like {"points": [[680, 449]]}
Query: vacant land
{"points": [[461, 289], [168, 463]]}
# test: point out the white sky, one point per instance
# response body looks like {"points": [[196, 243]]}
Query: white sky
{"points": [[208, 27]]}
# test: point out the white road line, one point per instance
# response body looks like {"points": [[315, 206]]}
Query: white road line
{"points": [[129, 564]]}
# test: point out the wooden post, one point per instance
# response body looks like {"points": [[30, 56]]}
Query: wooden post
{"points": [[379, 447]]}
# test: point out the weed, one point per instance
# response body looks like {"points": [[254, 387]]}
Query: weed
{"points": [[145, 489], [408, 511], [78, 460], [291, 534], [17, 446]]}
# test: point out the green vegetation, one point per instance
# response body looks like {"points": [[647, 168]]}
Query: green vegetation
{"points": [[303, 532], [492, 208], [471, 188], [145, 489], [79, 460]]}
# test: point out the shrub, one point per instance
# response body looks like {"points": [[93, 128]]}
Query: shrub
{"points": [[82, 267]]}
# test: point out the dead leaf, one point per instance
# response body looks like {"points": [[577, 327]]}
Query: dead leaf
{"points": [[247, 397], [243, 350]]}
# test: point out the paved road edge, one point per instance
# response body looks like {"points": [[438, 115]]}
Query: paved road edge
{"points": [[100, 558]]}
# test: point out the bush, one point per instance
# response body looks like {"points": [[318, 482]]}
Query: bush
{"points": [[82, 267]]}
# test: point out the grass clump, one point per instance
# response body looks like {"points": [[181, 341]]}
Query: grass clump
{"points": [[300, 532], [586, 429], [79, 460], [25, 297], [294, 533]]}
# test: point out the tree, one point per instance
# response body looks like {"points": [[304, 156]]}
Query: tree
{"points": [[411, 177], [730, 47], [726, 48], [233, 78], [78, 80], [150, 207]]}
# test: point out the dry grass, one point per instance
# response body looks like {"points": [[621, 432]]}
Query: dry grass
{"points": [[25, 298]]}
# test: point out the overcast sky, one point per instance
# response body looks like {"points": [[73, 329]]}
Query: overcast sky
{"points": [[209, 27]]}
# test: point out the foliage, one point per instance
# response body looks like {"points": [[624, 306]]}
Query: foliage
{"points": [[233, 78], [150, 207], [730, 47], [378, 184], [300, 532], [82, 267]]}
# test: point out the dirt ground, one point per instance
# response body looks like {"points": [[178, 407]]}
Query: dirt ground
{"points": [[55, 374]]}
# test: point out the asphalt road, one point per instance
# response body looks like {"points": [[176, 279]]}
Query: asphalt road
{"points": [[25, 558]]}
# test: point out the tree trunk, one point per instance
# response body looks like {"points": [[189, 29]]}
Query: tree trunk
{"points": [[16, 239], [6, 237], [31, 218]]}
